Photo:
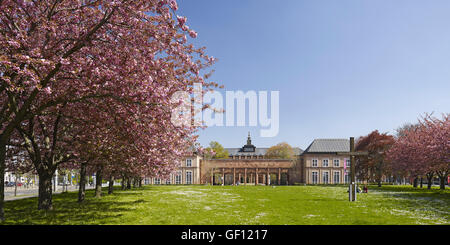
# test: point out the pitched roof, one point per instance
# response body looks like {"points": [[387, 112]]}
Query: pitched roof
{"points": [[258, 151], [328, 146]]}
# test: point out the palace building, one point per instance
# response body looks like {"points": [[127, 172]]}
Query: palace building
{"points": [[320, 163], [248, 165]]}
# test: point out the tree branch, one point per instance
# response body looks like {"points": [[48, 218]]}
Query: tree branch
{"points": [[55, 131]]}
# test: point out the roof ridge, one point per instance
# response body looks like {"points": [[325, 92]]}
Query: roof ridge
{"points": [[328, 145], [332, 139]]}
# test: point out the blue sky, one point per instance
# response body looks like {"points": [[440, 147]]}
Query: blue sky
{"points": [[343, 68]]}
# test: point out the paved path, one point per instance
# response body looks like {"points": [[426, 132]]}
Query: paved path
{"points": [[33, 192]]}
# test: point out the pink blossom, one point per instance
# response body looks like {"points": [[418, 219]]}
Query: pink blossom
{"points": [[174, 5], [181, 20], [193, 34], [185, 27], [110, 90], [47, 90]]}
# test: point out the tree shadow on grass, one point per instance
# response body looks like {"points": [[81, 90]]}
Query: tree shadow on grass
{"points": [[66, 209], [411, 192], [407, 192], [409, 188], [414, 199]]}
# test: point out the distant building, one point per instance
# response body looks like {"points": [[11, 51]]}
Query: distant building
{"points": [[247, 165], [322, 165], [186, 174]]}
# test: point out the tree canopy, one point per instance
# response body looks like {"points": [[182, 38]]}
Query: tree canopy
{"points": [[280, 151], [91, 82], [216, 151], [423, 150], [373, 166]]}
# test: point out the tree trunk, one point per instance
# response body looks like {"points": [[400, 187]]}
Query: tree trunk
{"points": [[140, 182], [415, 182], [123, 183], [421, 182], [429, 180], [82, 188], [111, 184], [128, 183], [15, 185], [66, 179], [45, 190], [98, 183], [442, 182], [2, 179], [379, 173]]}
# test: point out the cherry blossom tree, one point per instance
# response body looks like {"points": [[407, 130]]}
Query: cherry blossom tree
{"points": [[423, 150], [47, 140], [435, 141], [406, 156], [135, 53]]}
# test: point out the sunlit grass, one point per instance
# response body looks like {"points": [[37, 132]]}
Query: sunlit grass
{"points": [[195, 205]]}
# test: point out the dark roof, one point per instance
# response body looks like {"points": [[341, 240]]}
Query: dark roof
{"points": [[251, 150], [258, 151], [328, 146]]}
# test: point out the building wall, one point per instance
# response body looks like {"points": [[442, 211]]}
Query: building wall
{"points": [[299, 170], [238, 165], [182, 171], [295, 172], [321, 170]]}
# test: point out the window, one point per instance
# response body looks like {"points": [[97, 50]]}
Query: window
{"points": [[168, 180], [157, 181], [347, 163], [189, 177], [336, 177], [188, 162], [325, 178], [314, 162], [325, 163], [178, 178], [315, 178], [146, 181], [336, 162]]}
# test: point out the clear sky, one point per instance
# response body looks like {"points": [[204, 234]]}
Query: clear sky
{"points": [[343, 68]]}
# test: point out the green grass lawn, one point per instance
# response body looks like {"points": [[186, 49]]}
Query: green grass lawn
{"points": [[233, 205]]}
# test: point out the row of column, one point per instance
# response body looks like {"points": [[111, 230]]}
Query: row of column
{"points": [[267, 177]]}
